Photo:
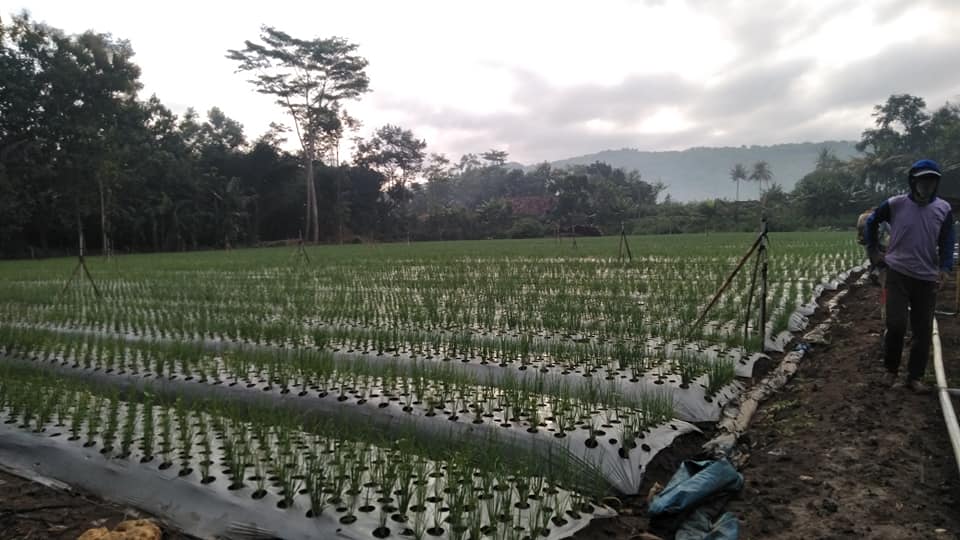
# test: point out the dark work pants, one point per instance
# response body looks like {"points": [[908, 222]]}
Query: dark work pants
{"points": [[921, 296]]}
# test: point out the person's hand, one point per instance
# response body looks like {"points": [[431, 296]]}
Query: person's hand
{"points": [[942, 279], [876, 258]]}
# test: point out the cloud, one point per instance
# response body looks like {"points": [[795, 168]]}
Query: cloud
{"points": [[764, 101], [918, 69], [752, 89], [560, 122], [626, 102], [760, 30], [550, 80]]}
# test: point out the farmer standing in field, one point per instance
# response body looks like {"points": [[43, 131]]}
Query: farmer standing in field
{"points": [[918, 261]]}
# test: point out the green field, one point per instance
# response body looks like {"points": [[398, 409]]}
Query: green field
{"points": [[522, 380]]}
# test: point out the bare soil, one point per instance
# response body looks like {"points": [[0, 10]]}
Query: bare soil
{"points": [[839, 455], [29, 510]]}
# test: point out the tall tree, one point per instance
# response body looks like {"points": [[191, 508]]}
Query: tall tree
{"points": [[467, 162], [737, 173], [107, 83], [761, 173], [331, 148], [398, 155], [393, 151], [904, 114], [943, 132], [68, 104], [495, 158], [826, 193], [827, 159], [165, 214], [437, 168], [310, 79], [898, 138], [23, 168]]}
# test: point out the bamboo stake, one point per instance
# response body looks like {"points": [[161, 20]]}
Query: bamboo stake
{"points": [[726, 284]]}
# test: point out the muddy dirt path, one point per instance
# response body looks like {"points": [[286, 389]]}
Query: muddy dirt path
{"points": [[838, 455]]}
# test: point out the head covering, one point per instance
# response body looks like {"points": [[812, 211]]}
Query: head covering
{"points": [[923, 170], [924, 167]]}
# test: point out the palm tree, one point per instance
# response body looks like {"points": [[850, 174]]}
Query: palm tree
{"points": [[761, 173], [827, 159], [737, 173]]}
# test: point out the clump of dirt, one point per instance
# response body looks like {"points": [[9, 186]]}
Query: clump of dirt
{"points": [[137, 529]]}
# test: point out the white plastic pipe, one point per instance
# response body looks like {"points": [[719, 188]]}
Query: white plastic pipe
{"points": [[949, 416]]}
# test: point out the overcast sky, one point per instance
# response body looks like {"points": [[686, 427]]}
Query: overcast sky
{"points": [[547, 80]]}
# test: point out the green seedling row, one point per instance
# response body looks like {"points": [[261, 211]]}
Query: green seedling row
{"points": [[268, 456]]}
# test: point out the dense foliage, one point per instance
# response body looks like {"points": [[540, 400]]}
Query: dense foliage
{"points": [[81, 150]]}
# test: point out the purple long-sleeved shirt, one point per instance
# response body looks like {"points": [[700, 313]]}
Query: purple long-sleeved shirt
{"points": [[921, 236]]}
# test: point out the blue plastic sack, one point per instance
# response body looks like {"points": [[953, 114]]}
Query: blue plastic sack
{"points": [[693, 483]]}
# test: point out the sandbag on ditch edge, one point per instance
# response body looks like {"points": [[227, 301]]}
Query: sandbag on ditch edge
{"points": [[693, 483]]}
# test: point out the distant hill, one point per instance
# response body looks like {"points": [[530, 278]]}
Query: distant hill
{"points": [[704, 173]]}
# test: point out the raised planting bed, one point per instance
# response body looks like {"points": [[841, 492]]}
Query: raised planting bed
{"points": [[596, 425], [220, 470]]}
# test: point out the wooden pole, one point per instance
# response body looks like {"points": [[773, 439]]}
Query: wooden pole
{"points": [[620, 247], [753, 288], [73, 276], [762, 254], [624, 244], [96, 290], [81, 265], [302, 250], [728, 281]]}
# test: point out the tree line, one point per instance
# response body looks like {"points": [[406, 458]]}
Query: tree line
{"points": [[836, 191], [82, 151], [904, 130]]}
